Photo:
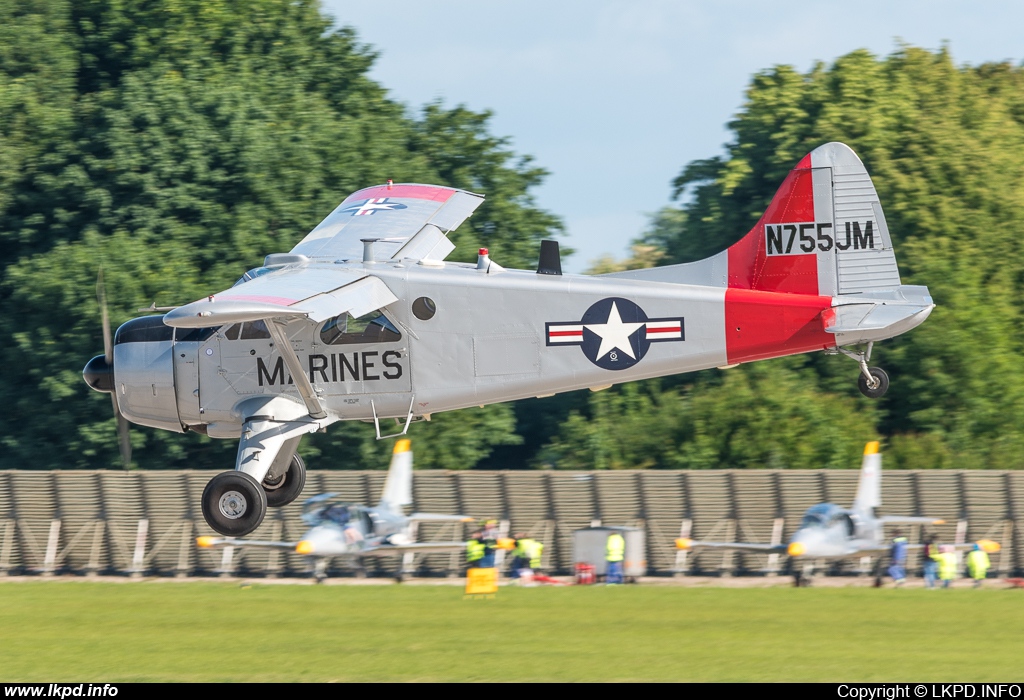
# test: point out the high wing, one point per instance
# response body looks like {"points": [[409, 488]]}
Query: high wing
{"points": [[690, 545], [404, 221], [387, 222], [415, 547]]}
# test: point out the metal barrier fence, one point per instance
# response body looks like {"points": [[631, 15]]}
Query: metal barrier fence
{"points": [[146, 522]]}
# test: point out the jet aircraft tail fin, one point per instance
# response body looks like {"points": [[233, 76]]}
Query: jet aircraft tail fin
{"points": [[869, 488], [398, 484]]}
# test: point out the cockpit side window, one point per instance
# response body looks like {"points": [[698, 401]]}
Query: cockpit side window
{"points": [[253, 330], [373, 327]]}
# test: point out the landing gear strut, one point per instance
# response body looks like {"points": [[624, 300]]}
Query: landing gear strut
{"points": [[284, 489], [873, 382], [234, 503]]}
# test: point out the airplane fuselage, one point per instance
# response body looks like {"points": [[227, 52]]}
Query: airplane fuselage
{"points": [[491, 338]]}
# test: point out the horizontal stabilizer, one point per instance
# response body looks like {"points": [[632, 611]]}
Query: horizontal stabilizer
{"points": [[867, 321]]}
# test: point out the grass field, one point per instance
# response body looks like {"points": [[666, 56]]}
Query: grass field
{"points": [[170, 631]]}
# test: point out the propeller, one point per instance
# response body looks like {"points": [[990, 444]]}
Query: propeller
{"points": [[123, 439]]}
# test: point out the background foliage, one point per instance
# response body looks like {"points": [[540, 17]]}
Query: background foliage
{"points": [[175, 146]]}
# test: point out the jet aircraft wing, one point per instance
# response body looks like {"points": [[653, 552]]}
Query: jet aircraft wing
{"points": [[688, 544], [439, 518], [211, 542], [909, 520], [403, 221], [414, 547]]}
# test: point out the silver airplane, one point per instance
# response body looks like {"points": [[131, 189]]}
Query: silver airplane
{"points": [[364, 320], [353, 531], [830, 532]]}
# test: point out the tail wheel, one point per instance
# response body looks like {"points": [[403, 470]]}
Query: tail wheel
{"points": [[287, 487], [878, 385], [234, 503]]}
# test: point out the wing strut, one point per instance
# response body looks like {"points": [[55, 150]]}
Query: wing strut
{"points": [[284, 346]]}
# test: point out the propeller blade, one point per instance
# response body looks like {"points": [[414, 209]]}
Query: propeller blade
{"points": [[108, 345], [124, 442]]}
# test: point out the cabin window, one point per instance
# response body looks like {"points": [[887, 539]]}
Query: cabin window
{"points": [[193, 335], [424, 308], [373, 327]]}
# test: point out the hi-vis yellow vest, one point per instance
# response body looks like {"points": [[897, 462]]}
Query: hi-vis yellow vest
{"points": [[616, 549], [475, 550]]}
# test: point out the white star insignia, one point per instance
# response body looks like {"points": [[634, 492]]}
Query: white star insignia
{"points": [[614, 333]]}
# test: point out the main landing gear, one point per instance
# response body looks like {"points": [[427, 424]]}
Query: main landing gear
{"points": [[873, 382], [285, 488], [234, 503]]}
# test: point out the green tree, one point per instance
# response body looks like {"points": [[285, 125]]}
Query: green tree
{"points": [[942, 144]]}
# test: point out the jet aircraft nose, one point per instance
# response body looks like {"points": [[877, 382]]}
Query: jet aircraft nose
{"points": [[99, 374]]}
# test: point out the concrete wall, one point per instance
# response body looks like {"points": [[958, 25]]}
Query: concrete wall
{"points": [[147, 521]]}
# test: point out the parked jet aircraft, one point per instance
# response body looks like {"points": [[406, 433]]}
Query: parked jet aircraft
{"points": [[340, 529], [362, 320], [830, 532]]}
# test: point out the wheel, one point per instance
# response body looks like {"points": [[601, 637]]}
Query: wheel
{"points": [[234, 503], [287, 487], [880, 388]]}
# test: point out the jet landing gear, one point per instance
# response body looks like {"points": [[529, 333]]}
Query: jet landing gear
{"points": [[234, 503], [285, 488], [873, 382]]}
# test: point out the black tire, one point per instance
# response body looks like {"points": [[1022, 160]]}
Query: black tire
{"points": [[288, 486], [883, 383], [234, 503]]}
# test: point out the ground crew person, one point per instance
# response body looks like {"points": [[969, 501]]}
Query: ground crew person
{"points": [[615, 552], [947, 565], [977, 565], [488, 538], [526, 555], [898, 557], [475, 551]]}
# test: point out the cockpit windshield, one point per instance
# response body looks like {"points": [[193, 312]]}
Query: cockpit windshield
{"points": [[326, 508], [819, 515], [252, 274]]}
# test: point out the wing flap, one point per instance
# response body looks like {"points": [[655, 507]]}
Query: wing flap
{"points": [[313, 292], [359, 298]]}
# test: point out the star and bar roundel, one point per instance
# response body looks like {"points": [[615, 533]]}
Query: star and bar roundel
{"points": [[615, 333]]}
